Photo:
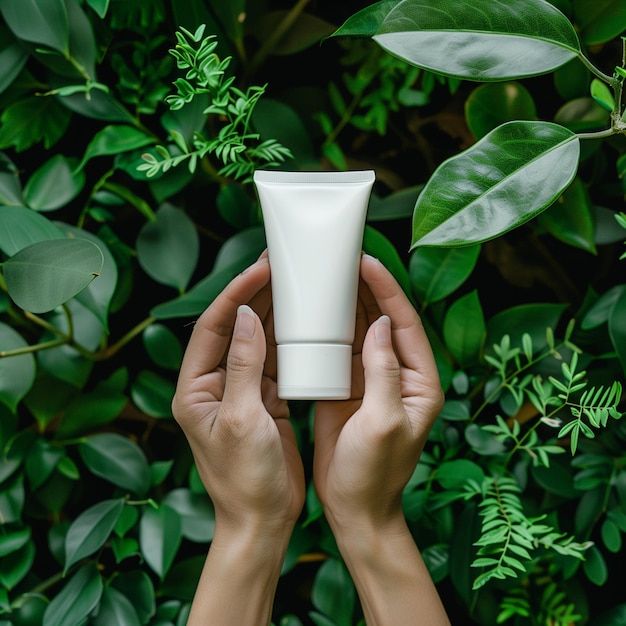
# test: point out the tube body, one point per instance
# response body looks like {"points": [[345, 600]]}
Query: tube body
{"points": [[314, 224]]}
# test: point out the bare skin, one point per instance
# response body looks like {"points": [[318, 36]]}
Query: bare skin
{"points": [[365, 451]]}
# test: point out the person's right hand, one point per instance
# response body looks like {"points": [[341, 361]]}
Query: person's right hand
{"points": [[366, 448]]}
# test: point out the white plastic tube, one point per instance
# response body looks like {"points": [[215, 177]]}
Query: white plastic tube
{"points": [[314, 224]]}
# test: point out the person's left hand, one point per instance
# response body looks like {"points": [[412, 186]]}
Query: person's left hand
{"points": [[226, 402]]}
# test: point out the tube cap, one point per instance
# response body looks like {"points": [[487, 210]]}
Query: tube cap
{"points": [[314, 371]]}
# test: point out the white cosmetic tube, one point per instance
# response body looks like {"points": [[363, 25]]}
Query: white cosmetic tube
{"points": [[314, 223]]}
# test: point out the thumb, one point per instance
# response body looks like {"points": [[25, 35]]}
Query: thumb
{"points": [[381, 370], [245, 360]]}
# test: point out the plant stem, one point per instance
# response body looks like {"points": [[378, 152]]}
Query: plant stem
{"points": [[610, 80], [120, 343]]}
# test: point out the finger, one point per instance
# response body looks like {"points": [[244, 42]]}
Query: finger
{"points": [[382, 374], [408, 335], [211, 334], [244, 368]]}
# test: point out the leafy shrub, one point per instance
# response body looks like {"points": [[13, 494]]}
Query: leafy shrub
{"points": [[126, 206]]}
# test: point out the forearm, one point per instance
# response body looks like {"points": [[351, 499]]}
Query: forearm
{"points": [[392, 581], [238, 581]]}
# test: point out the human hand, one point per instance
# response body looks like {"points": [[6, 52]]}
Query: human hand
{"points": [[366, 448], [226, 402]]}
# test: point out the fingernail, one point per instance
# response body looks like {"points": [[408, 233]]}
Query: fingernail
{"points": [[382, 330], [245, 323], [369, 256]]}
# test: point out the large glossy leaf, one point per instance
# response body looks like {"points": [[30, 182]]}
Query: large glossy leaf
{"points": [[21, 227], [17, 373], [479, 39], [163, 346], [46, 274], [44, 23], [168, 247], [118, 460], [77, 599], [90, 530], [501, 182]]}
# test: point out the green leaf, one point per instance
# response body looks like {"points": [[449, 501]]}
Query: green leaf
{"points": [[13, 540], [77, 599], [21, 227], [10, 186], [45, 23], [17, 373], [595, 566], [46, 274], [617, 328], [601, 93], [397, 205], [367, 21], [160, 535], [479, 39], [454, 474], [438, 272], [493, 104], [531, 319], [98, 295], [118, 460], [163, 346], [115, 139], [89, 531], [137, 586], [29, 121], [13, 57], [116, 608], [196, 514], [571, 218], [42, 459], [17, 565], [464, 328], [99, 406], [599, 21], [237, 253], [275, 119], [611, 536], [53, 185], [99, 6], [168, 247], [379, 246], [333, 592], [504, 180], [153, 394]]}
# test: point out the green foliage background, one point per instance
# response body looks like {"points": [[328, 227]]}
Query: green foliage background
{"points": [[497, 136]]}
